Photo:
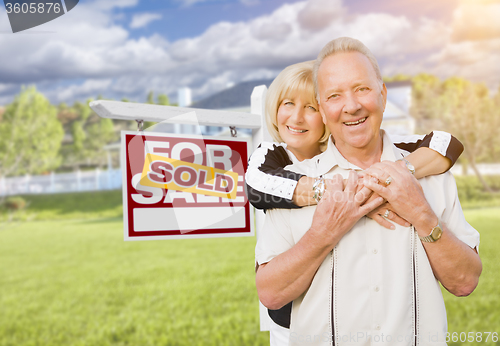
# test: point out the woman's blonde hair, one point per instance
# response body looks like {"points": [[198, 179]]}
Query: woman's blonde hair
{"points": [[294, 79]]}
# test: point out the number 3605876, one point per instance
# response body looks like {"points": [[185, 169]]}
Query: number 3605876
{"points": [[47, 7]]}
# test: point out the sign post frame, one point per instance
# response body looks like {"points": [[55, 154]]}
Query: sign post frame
{"points": [[254, 120]]}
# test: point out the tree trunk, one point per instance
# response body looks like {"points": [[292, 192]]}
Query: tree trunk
{"points": [[486, 187]]}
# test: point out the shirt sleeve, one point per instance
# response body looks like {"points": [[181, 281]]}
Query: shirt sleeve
{"points": [[276, 236], [268, 184], [439, 141], [452, 215]]}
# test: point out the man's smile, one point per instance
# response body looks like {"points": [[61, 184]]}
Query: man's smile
{"points": [[357, 122]]}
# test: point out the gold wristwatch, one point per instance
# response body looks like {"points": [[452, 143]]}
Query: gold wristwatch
{"points": [[433, 236]]}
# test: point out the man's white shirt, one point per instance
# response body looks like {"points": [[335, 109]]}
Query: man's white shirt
{"points": [[376, 287]]}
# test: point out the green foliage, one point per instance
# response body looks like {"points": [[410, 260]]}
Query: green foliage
{"points": [[163, 100], [471, 192], [89, 133], [15, 203], [397, 78], [30, 135], [150, 98], [462, 108]]}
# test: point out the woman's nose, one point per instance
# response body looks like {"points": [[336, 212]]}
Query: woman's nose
{"points": [[298, 115]]}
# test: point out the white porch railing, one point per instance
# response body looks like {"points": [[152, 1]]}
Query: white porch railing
{"points": [[62, 182]]}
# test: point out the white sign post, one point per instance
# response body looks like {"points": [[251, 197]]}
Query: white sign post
{"points": [[180, 115]]}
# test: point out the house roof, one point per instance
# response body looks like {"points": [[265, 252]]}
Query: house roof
{"points": [[238, 96], [398, 84]]}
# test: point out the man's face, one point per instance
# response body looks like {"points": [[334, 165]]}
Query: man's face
{"points": [[352, 100]]}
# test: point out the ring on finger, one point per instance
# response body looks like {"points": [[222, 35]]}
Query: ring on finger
{"points": [[388, 181], [386, 214]]}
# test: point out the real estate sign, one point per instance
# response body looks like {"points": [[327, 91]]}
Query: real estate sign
{"points": [[180, 186]]}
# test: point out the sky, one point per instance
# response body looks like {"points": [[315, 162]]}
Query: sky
{"points": [[127, 48]]}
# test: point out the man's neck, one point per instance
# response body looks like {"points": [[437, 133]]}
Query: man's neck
{"points": [[362, 157]]}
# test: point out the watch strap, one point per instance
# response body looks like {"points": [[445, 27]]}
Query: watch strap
{"points": [[432, 237]]}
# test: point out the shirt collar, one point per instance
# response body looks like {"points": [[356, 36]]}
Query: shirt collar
{"points": [[332, 157]]}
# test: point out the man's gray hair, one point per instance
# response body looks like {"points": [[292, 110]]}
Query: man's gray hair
{"points": [[344, 45]]}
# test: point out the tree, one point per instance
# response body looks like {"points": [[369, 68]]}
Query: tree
{"points": [[30, 135], [89, 133], [464, 109], [150, 99], [163, 100]]}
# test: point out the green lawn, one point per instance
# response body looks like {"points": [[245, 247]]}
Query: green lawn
{"points": [[76, 282], [480, 312]]}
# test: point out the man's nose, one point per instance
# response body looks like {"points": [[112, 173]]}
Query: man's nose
{"points": [[351, 105]]}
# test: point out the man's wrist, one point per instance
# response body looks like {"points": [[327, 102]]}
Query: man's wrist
{"points": [[426, 225]]}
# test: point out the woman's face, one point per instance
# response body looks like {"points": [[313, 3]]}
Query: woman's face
{"points": [[300, 126]]}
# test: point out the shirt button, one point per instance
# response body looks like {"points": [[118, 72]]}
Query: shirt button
{"points": [[376, 289], [377, 327], [375, 251]]}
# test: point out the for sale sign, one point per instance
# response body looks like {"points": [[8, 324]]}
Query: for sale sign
{"points": [[184, 186]]}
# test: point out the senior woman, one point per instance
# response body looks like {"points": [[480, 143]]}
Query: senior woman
{"points": [[294, 122]]}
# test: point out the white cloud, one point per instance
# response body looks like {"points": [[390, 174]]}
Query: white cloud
{"points": [[318, 14], [473, 22], [90, 45], [143, 19]]}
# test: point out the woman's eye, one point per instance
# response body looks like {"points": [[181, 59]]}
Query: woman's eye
{"points": [[313, 109], [288, 103]]}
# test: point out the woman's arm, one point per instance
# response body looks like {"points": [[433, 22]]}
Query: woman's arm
{"points": [[268, 184], [432, 154]]}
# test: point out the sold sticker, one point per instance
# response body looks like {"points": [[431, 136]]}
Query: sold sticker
{"points": [[185, 176]]}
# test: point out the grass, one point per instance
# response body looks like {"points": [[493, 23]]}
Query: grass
{"points": [[77, 283], [67, 281], [480, 312], [65, 206]]}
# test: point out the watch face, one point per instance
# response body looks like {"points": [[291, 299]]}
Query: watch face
{"points": [[436, 233]]}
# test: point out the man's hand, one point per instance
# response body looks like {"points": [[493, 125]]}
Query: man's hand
{"points": [[340, 208], [454, 264], [385, 212], [404, 193]]}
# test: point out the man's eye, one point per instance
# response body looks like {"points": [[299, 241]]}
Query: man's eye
{"points": [[334, 96], [363, 89]]}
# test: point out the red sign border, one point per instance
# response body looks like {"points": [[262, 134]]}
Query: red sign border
{"points": [[153, 235]]}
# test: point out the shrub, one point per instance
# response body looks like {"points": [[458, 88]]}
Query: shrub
{"points": [[15, 203], [472, 194]]}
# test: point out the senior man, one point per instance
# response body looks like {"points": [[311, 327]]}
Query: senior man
{"points": [[353, 282]]}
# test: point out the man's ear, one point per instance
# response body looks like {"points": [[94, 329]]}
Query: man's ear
{"points": [[384, 94], [322, 112]]}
